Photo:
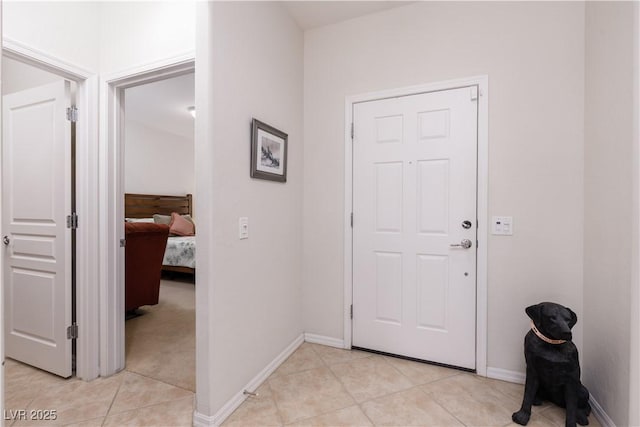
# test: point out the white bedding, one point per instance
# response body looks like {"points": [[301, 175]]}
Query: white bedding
{"points": [[181, 251]]}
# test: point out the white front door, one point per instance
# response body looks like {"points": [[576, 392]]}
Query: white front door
{"points": [[414, 197], [36, 199]]}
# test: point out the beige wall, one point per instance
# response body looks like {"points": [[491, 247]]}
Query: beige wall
{"points": [[105, 36], [609, 240], [156, 161], [134, 33], [533, 54], [634, 392], [255, 284], [45, 26]]}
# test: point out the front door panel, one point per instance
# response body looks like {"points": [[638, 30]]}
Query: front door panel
{"points": [[414, 183]]}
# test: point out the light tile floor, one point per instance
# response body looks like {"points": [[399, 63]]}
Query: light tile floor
{"points": [[122, 399], [316, 386], [156, 389], [324, 386]]}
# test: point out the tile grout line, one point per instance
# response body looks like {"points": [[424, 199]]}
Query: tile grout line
{"points": [[268, 382], [358, 404], [325, 363], [272, 396], [439, 404], [273, 399], [25, 407], [328, 367], [160, 381], [113, 399], [542, 414], [336, 377], [46, 390], [413, 386], [150, 406]]}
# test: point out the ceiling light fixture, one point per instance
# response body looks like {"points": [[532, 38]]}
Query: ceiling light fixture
{"points": [[192, 110]]}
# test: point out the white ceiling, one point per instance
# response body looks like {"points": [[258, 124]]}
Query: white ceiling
{"points": [[163, 105], [313, 14]]}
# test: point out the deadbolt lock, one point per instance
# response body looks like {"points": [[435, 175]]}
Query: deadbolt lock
{"points": [[466, 224]]}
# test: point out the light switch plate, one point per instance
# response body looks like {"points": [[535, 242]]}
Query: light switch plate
{"points": [[502, 225], [243, 227]]}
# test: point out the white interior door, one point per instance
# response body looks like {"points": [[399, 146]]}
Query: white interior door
{"points": [[36, 193], [414, 185]]}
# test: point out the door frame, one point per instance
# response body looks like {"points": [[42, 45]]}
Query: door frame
{"points": [[482, 82], [86, 196], [112, 289]]}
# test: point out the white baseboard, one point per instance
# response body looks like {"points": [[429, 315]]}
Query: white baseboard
{"points": [[600, 414], [320, 339], [506, 375], [201, 420]]}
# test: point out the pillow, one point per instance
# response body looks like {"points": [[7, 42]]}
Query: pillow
{"points": [[188, 218], [139, 220], [162, 219], [166, 219], [180, 226]]}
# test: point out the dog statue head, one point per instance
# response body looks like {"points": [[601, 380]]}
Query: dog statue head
{"points": [[553, 320]]}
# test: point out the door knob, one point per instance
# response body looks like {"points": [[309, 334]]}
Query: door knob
{"points": [[465, 244], [6, 240]]}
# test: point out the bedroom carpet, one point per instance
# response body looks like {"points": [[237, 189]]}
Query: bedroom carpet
{"points": [[161, 343]]}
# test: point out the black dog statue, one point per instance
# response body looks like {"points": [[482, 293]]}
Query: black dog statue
{"points": [[553, 369]]}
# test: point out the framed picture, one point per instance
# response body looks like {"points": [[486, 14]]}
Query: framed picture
{"points": [[268, 152]]}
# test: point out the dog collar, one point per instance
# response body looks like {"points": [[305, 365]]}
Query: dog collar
{"points": [[543, 338]]}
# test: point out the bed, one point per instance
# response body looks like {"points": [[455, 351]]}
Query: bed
{"points": [[180, 253]]}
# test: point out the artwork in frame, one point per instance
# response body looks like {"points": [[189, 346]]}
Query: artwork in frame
{"points": [[268, 152]]}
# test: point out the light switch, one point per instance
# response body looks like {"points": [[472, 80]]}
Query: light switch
{"points": [[243, 227], [502, 225]]}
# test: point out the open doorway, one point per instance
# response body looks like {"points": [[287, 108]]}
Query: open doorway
{"points": [[158, 160]]}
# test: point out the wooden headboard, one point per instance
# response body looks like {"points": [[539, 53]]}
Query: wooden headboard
{"points": [[145, 205]]}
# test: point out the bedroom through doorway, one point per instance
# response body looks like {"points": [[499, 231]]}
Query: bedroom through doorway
{"points": [[158, 177]]}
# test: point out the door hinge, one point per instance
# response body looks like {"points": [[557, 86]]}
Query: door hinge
{"points": [[123, 243], [351, 219], [352, 131], [351, 311], [72, 332], [72, 114], [72, 221], [474, 93]]}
